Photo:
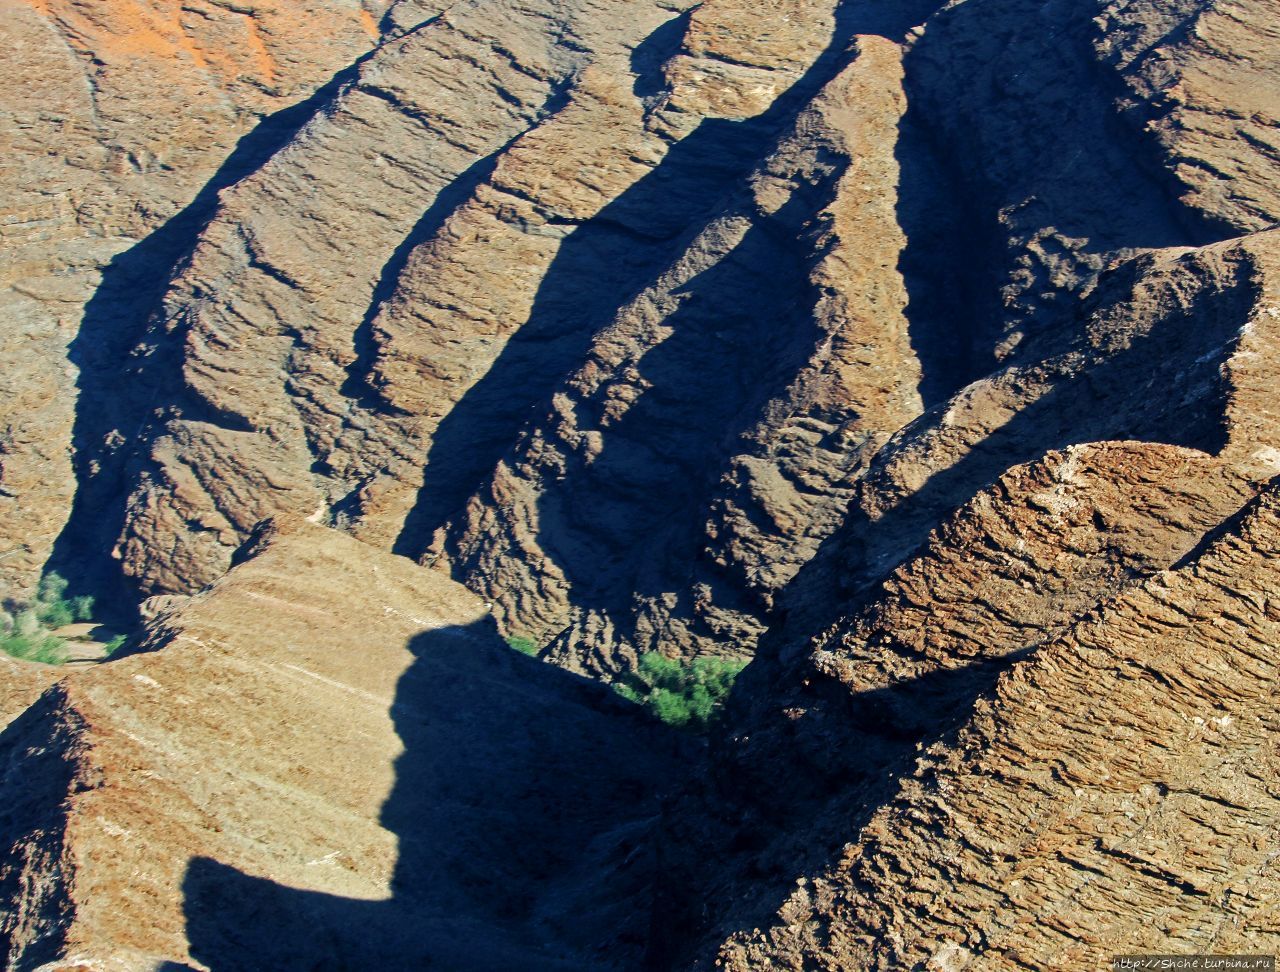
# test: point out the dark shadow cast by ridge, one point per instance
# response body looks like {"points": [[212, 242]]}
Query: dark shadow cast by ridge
{"points": [[607, 260], [948, 265], [859, 747], [118, 392], [515, 775]]}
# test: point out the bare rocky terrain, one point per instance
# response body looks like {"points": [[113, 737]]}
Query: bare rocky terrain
{"points": [[924, 354]]}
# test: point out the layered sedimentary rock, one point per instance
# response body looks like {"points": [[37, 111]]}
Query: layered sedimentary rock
{"points": [[718, 421], [328, 757], [122, 120], [1114, 792]]}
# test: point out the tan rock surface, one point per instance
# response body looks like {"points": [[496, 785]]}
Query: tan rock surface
{"points": [[124, 111], [318, 760], [1201, 78], [925, 351]]}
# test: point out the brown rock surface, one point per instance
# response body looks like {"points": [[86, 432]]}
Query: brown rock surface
{"points": [[1024, 566], [1115, 793], [328, 756], [129, 113], [485, 336], [1201, 82], [926, 352]]}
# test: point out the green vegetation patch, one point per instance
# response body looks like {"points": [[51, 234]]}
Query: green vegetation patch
{"points": [[683, 694], [526, 646], [26, 627]]}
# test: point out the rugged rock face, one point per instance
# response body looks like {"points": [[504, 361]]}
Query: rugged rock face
{"points": [[130, 115], [519, 327], [1019, 566], [1116, 791], [924, 353], [159, 799]]}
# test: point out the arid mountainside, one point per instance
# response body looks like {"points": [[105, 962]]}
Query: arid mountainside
{"points": [[121, 121], [371, 768], [925, 354]]}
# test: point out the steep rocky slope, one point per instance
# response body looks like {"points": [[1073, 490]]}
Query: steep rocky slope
{"points": [[329, 757], [122, 120], [924, 353], [1114, 792]]}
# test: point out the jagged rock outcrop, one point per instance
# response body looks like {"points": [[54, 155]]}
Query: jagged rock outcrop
{"points": [[327, 757], [123, 119], [1171, 347], [1115, 792]]}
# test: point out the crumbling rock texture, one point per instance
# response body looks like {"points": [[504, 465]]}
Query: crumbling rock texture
{"points": [[122, 120], [923, 352], [1114, 792]]}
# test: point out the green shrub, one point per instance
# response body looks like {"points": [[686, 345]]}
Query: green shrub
{"points": [[526, 646], [55, 615], [26, 632], [682, 694], [54, 608], [51, 588], [82, 607], [36, 647], [114, 645]]}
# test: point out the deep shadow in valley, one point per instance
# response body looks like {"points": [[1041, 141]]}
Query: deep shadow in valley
{"points": [[606, 261], [537, 827], [524, 804], [119, 390]]}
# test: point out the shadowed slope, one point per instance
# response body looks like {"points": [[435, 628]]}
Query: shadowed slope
{"points": [[329, 759]]}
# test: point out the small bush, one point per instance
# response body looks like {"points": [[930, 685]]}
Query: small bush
{"points": [[114, 645], [36, 647], [526, 646], [682, 694], [55, 615], [26, 627], [54, 609], [82, 607]]}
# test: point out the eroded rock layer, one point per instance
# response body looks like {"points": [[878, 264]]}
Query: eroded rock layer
{"points": [[1115, 791], [199, 804], [924, 353]]}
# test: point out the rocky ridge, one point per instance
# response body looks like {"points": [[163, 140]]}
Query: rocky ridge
{"points": [[159, 797], [923, 353]]}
